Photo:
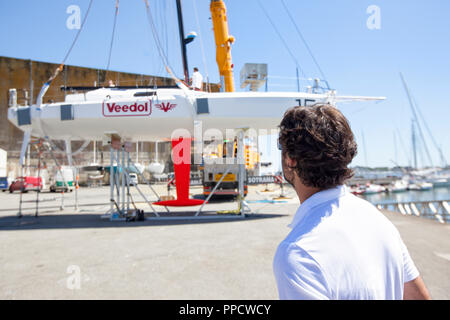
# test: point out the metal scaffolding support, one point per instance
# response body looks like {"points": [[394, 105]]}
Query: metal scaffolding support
{"points": [[121, 198]]}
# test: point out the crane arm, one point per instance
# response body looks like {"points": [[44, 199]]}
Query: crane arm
{"points": [[223, 43]]}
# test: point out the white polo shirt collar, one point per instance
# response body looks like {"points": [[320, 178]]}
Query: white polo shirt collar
{"points": [[317, 199]]}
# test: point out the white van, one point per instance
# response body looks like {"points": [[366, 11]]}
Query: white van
{"points": [[60, 184], [133, 179]]}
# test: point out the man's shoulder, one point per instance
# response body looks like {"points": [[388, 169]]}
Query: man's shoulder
{"points": [[357, 200], [359, 207], [298, 274], [334, 217], [295, 255]]}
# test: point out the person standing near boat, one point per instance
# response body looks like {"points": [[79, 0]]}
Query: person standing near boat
{"points": [[340, 246], [197, 80]]}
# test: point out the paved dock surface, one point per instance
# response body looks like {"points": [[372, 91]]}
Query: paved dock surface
{"points": [[44, 257]]}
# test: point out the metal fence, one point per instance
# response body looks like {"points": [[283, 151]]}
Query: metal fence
{"points": [[438, 210]]}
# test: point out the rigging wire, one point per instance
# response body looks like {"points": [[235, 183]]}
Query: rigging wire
{"points": [[419, 143], [422, 118], [162, 22], [403, 145], [305, 43], [160, 18], [423, 139], [61, 66], [202, 47], [411, 103], [281, 38], [112, 37], [78, 33], [163, 57]]}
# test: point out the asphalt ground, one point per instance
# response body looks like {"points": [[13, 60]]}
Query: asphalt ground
{"points": [[77, 254]]}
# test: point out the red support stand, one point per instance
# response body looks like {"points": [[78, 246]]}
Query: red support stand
{"points": [[181, 155]]}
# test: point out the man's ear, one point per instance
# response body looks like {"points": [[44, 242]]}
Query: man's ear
{"points": [[290, 162]]}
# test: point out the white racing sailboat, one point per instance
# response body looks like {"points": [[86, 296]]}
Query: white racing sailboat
{"points": [[154, 114]]}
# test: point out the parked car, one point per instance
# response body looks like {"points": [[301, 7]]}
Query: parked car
{"points": [[26, 183], [3, 183]]}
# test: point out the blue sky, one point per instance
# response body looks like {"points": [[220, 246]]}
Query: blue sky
{"points": [[413, 39]]}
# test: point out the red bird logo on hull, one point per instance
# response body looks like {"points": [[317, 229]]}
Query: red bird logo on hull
{"points": [[165, 106]]}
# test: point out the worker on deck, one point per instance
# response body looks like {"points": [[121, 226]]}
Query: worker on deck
{"points": [[197, 80]]}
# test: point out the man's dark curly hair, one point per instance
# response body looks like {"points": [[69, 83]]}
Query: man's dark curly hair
{"points": [[320, 140]]}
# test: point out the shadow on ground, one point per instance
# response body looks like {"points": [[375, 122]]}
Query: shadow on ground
{"points": [[78, 221]]}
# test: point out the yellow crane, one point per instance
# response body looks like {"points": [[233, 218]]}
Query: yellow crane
{"points": [[223, 43]]}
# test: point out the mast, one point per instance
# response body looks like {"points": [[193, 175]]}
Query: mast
{"points": [[395, 147], [416, 120], [183, 42], [414, 147], [223, 44], [365, 149]]}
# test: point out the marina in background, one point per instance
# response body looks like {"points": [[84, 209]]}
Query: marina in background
{"points": [[441, 193]]}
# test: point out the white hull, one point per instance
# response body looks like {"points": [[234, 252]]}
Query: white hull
{"points": [[440, 182], [157, 115], [399, 186], [399, 189], [421, 186], [374, 188]]}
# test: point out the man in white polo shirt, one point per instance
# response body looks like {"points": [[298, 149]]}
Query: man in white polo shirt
{"points": [[340, 246]]}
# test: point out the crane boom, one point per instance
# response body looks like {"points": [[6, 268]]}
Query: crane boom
{"points": [[223, 43]]}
